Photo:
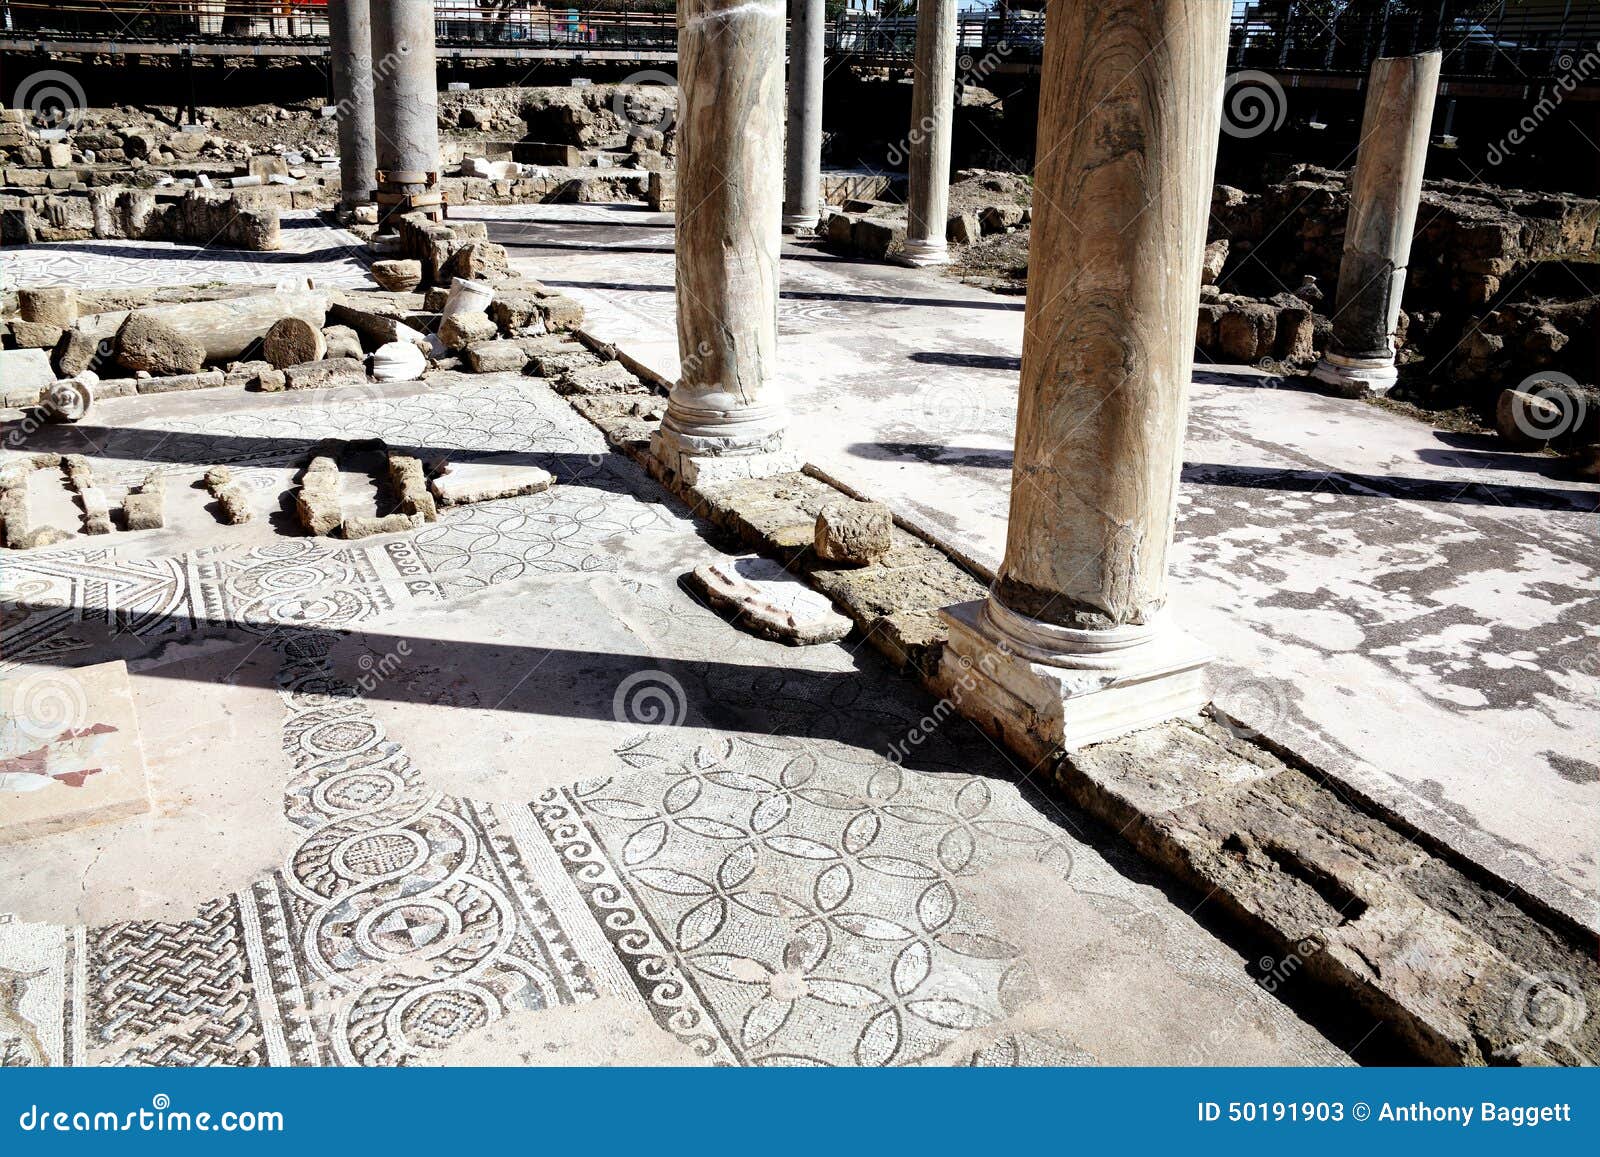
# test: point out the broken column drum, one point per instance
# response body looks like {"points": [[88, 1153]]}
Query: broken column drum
{"points": [[802, 189], [1385, 191], [350, 56], [406, 107], [725, 413], [1074, 643], [933, 95]]}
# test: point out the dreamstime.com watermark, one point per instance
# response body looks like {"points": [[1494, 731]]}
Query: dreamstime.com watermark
{"points": [[949, 704], [1275, 973], [160, 1117], [1574, 72]]}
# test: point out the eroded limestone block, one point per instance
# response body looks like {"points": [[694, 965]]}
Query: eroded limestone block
{"points": [[1003, 218], [397, 275], [52, 305], [36, 335], [410, 485], [606, 378], [492, 357], [766, 600], [858, 533], [96, 510], [458, 331], [342, 342], [963, 228], [144, 509], [146, 343], [178, 383], [25, 369], [363, 526], [1216, 257], [325, 374]]}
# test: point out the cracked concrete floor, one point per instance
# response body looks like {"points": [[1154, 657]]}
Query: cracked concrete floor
{"points": [[1412, 611], [498, 790]]}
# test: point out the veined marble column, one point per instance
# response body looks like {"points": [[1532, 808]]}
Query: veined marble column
{"points": [[1385, 191], [802, 168], [725, 417], [933, 97], [1074, 643], [406, 106], [350, 56]]}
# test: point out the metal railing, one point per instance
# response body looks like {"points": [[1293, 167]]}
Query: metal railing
{"points": [[1517, 41]]}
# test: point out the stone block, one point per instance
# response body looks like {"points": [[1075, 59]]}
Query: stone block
{"points": [[458, 331], [840, 229], [494, 357], [325, 374], [1216, 257], [546, 153], [1002, 218], [606, 378], [873, 238], [146, 343], [1296, 336], [856, 533], [1247, 332], [364, 526], [179, 383], [963, 228], [96, 510], [53, 305], [36, 335], [25, 369], [341, 342], [397, 275]]}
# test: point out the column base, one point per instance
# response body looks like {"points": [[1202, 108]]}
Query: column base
{"points": [[1356, 377], [701, 459], [924, 253], [800, 222], [1042, 689]]}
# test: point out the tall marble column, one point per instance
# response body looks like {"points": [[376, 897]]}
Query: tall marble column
{"points": [[802, 169], [933, 97], [350, 57], [725, 417], [1074, 643], [406, 106], [1385, 191]]}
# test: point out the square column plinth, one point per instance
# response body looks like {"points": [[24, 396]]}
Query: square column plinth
{"points": [[1039, 708]]}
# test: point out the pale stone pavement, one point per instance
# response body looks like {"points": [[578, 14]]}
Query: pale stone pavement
{"points": [[498, 790], [1410, 610]]}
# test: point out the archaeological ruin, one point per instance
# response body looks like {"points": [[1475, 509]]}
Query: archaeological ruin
{"points": [[747, 533]]}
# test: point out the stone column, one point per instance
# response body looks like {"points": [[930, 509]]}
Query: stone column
{"points": [[1074, 643], [350, 57], [1385, 190], [802, 169], [725, 417], [406, 106], [933, 97]]}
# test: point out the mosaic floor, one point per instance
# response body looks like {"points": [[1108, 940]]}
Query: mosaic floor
{"points": [[499, 790], [310, 248]]}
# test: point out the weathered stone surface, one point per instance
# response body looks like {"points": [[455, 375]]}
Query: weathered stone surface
{"points": [[491, 357], [342, 342], [1216, 257], [397, 275], [25, 369], [54, 305], [293, 341], [144, 509], [479, 261], [364, 526], [857, 533], [1296, 339], [1002, 218], [874, 238], [1527, 420], [766, 600], [458, 331], [466, 482], [410, 486], [36, 335], [96, 510], [233, 503], [963, 228], [144, 342], [1247, 332], [316, 503], [325, 374], [606, 378], [178, 383]]}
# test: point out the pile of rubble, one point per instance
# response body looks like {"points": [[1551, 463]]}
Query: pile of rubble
{"points": [[1501, 283], [983, 205]]}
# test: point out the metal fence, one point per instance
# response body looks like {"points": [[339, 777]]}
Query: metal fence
{"points": [[1505, 40]]}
